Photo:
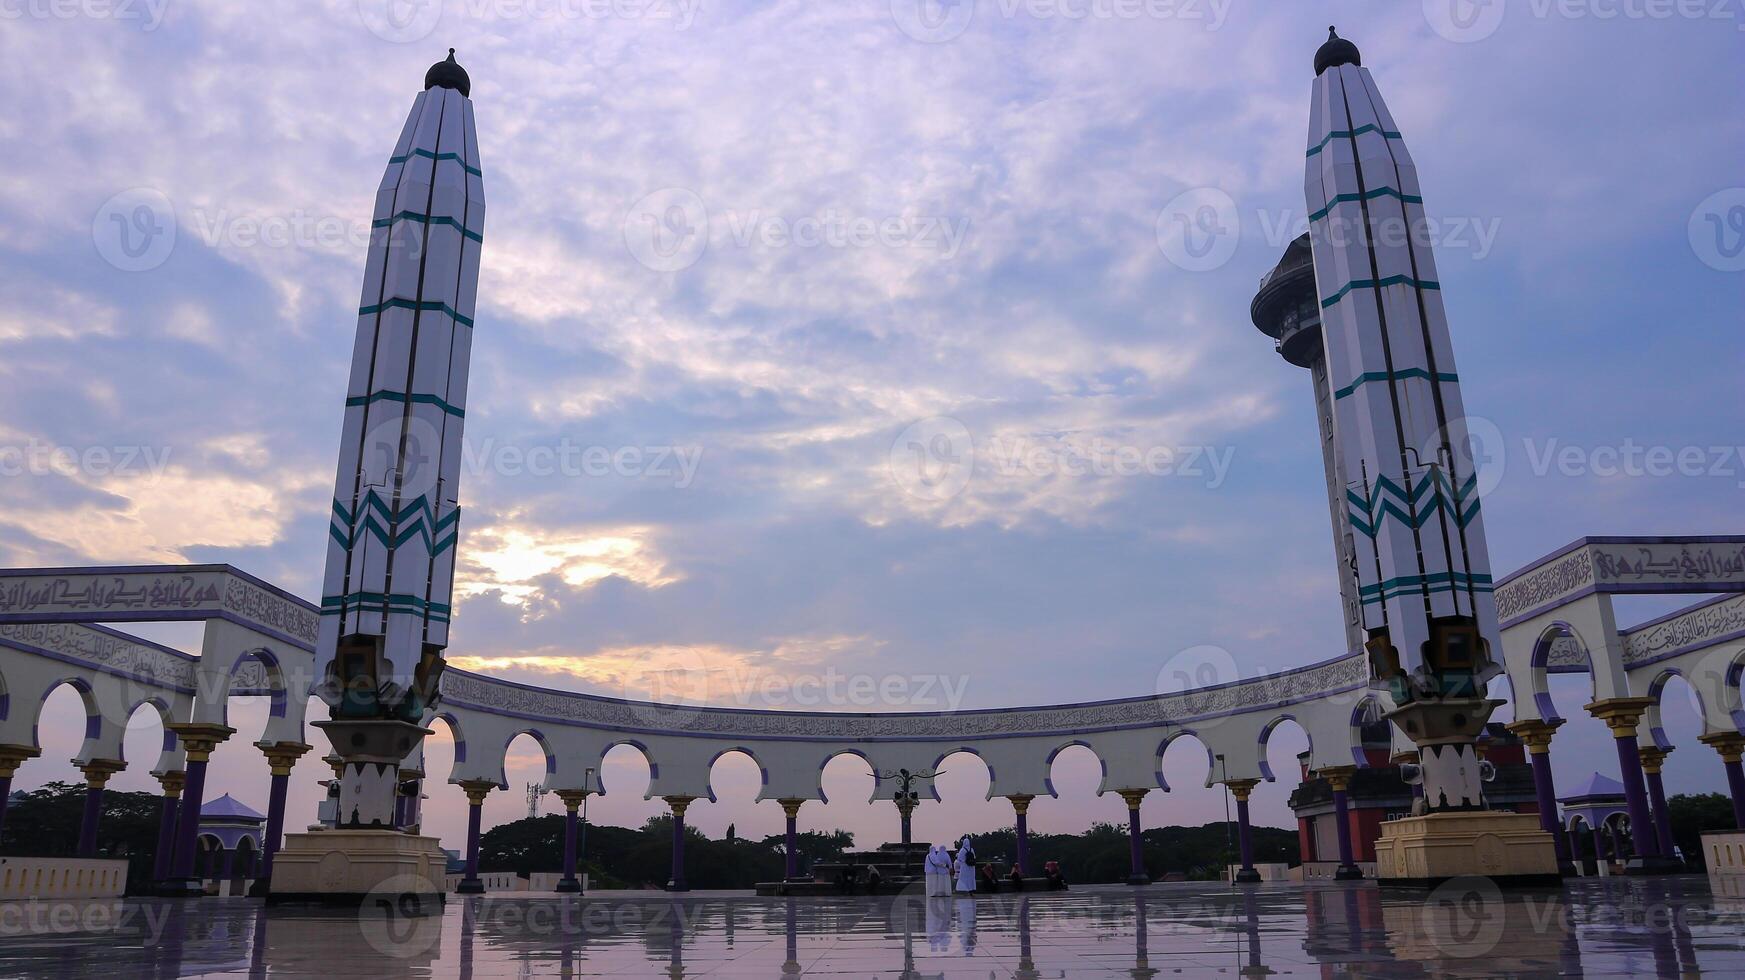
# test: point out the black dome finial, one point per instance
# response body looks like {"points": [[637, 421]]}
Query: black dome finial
{"points": [[449, 74], [1336, 51]]}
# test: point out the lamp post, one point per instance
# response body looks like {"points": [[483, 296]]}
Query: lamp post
{"points": [[582, 847], [906, 799]]}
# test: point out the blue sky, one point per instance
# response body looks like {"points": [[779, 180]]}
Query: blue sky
{"points": [[951, 231]]}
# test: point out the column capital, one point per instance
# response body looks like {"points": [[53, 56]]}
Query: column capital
{"points": [[790, 806], [1731, 745], [1021, 802], [172, 782], [12, 755], [281, 756], [678, 804], [98, 771], [1338, 777], [1133, 797], [1621, 715], [572, 798], [477, 790], [199, 738], [335, 763], [1536, 734], [1653, 757], [1240, 788]]}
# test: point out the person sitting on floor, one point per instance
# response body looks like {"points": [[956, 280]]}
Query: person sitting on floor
{"points": [[1056, 881], [873, 880], [1016, 877]]}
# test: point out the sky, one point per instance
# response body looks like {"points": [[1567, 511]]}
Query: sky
{"points": [[853, 339]]}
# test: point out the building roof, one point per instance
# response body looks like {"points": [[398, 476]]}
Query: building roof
{"points": [[1595, 788], [227, 808]]}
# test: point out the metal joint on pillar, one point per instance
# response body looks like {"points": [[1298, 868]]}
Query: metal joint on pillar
{"points": [[1135, 844], [1240, 789]]}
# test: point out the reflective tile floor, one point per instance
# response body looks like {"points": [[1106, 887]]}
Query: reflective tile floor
{"points": [[1606, 927]]}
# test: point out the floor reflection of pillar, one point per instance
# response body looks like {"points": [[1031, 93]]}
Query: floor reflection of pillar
{"points": [[791, 924]]}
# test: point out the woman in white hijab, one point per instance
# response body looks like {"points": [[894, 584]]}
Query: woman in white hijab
{"points": [[938, 870], [966, 869]]}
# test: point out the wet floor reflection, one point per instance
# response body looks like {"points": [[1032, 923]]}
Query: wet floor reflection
{"points": [[1665, 927]]}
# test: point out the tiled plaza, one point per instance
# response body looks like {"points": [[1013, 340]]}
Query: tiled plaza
{"points": [[1595, 927]]}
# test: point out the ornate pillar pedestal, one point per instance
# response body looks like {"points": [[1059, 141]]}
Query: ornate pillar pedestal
{"points": [[1537, 736], [1240, 788], [1622, 715], [363, 857], [1451, 833], [678, 804], [97, 773], [1135, 844], [1731, 747], [199, 739], [1021, 812], [570, 883]]}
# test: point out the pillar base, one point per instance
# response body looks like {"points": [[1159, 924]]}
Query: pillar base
{"points": [[1138, 879], [181, 888], [349, 867], [1348, 872], [1654, 866], [568, 886], [1508, 848], [1247, 876], [677, 887], [470, 886]]}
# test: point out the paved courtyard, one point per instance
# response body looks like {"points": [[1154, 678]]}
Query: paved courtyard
{"points": [[1612, 927]]}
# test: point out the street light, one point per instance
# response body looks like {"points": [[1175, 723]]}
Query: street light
{"points": [[906, 799], [587, 790]]}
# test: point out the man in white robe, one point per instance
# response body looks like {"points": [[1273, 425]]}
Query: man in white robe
{"points": [[966, 870]]}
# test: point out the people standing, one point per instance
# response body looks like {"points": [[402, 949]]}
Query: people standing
{"points": [[966, 868], [938, 871]]}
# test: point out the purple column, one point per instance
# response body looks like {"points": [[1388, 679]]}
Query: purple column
{"points": [[791, 839], [1023, 841], [1736, 787], [569, 848], [1135, 844], [1636, 797], [275, 822], [1339, 781], [1662, 820], [1245, 840], [88, 825], [677, 882], [160, 868], [1545, 793], [470, 883], [6, 795], [188, 824]]}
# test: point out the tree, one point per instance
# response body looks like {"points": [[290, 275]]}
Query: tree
{"points": [[1693, 813], [45, 822]]}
